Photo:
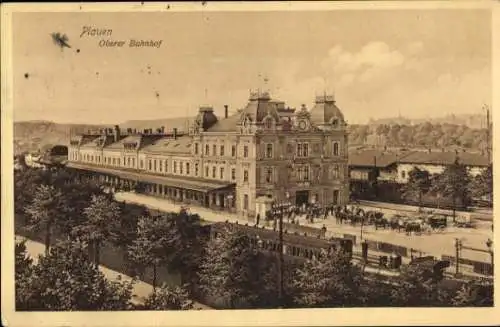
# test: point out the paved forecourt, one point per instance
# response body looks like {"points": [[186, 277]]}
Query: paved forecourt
{"points": [[435, 244]]}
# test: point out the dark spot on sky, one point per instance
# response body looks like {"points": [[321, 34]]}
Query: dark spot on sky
{"points": [[203, 3], [77, 50], [157, 94], [149, 73], [26, 75], [142, 3], [168, 7], [97, 73]]}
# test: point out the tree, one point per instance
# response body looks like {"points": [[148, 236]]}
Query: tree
{"points": [[45, 211], [329, 280], [454, 183], [151, 247], [169, 298], [419, 287], [101, 223], [482, 185], [418, 184], [474, 294], [23, 275], [185, 243], [229, 269], [65, 279]]}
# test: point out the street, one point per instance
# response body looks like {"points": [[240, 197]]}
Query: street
{"points": [[436, 244]]}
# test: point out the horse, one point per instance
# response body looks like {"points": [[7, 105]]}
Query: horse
{"points": [[413, 227]]}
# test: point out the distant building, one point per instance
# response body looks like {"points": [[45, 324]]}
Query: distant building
{"points": [[264, 150], [435, 162]]}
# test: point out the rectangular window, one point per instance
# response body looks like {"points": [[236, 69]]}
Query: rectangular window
{"points": [[306, 173], [149, 164], [336, 172], [196, 169], [154, 165], [181, 166], [214, 149], [233, 174], [166, 166], [269, 175], [187, 168], [269, 150], [206, 171], [160, 165], [175, 167], [207, 149], [196, 148], [302, 150], [221, 173], [142, 164], [221, 150], [245, 202], [214, 170], [133, 162], [245, 176], [233, 151], [245, 151]]}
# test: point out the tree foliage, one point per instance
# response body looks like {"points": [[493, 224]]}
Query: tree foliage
{"points": [[65, 280], [101, 224], [327, 280], [229, 269], [454, 183], [169, 298], [474, 294], [419, 183], [426, 134], [419, 287], [46, 211], [151, 246]]}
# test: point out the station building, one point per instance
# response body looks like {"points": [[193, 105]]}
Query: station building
{"points": [[264, 153]]}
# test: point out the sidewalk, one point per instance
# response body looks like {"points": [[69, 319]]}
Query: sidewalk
{"points": [[141, 289], [436, 244]]}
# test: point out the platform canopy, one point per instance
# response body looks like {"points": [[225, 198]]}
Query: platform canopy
{"points": [[189, 183]]}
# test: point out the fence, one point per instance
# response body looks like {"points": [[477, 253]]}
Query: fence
{"points": [[477, 267], [387, 248]]}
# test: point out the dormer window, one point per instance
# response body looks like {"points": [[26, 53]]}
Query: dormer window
{"points": [[335, 122], [268, 123]]}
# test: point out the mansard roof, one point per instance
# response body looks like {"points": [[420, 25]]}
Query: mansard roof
{"points": [[325, 111]]}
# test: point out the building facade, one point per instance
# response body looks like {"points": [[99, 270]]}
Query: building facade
{"points": [[264, 150]]}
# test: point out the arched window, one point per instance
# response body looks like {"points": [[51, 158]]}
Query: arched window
{"points": [[336, 148], [269, 123], [335, 122]]}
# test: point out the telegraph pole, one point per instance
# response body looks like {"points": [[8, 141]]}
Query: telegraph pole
{"points": [[488, 132]]}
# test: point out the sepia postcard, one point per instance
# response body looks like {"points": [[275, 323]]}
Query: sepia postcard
{"points": [[245, 164]]}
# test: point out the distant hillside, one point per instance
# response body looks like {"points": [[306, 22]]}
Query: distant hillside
{"points": [[33, 135], [474, 121]]}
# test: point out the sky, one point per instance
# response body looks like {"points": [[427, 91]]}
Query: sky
{"points": [[377, 63]]}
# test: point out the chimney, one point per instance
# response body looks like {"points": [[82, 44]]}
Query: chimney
{"points": [[158, 130], [150, 131], [145, 131], [117, 133], [135, 130], [162, 129], [175, 133], [226, 111]]}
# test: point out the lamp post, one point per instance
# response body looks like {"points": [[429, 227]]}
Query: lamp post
{"points": [[458, 245], [489, 244], [281, 259]]}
